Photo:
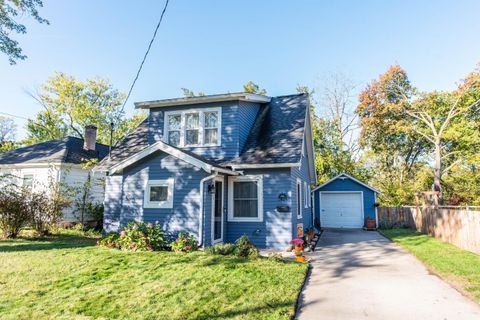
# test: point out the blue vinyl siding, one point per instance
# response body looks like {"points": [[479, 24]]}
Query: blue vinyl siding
{"points": [[349, 185], [237, 120], [247, 113], [183, 217], [275, 229], [303, 174], [112, 203]]}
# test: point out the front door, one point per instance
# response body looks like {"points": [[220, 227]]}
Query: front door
{"points": [[217, 213]]}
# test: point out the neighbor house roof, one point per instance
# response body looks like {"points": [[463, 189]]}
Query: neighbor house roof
{"points": [[276, 138], [68, 150]]}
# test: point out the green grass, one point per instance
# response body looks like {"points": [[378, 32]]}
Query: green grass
{"points": [[66, 276], [459, 267]]}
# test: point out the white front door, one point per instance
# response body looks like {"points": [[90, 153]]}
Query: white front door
{"points": [[217, 212], [341, 210]]}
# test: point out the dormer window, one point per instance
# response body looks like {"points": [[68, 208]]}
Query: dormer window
{"points": [[200, 127]]}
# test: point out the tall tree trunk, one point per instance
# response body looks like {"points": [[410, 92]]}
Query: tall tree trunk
{"points": [[437, 170]]}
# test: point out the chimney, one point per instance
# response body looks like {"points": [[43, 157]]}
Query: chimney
{"points": [[90, 138]]}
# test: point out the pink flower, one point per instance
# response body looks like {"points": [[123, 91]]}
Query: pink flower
{"points": [[157, 222], [123, 233], [296, 241], [135, 227], [149, 225]]}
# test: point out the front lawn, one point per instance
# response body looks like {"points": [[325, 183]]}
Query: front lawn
{"points": [[459, 267], [67, 277]]}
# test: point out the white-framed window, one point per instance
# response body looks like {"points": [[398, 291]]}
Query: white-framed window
{"points": [[159, 194], [309, 189], [299, 199], [306, 195], [27, 181], [193, 127], [245, 197]]}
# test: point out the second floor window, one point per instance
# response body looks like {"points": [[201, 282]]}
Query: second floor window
{"points": [[193, 127]]}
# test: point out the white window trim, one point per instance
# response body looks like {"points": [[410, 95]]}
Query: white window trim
{"points": [[305, 194], [298, 191], [168, 204], [259, 180], [201, 129]]}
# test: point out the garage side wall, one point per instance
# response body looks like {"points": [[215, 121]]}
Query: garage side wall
{"points": [[348, 185]]}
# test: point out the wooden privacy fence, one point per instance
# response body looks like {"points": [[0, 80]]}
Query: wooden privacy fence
{"points": [[458, 226]]}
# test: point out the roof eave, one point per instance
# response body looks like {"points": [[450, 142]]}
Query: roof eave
{"points": [[350, 177], [249, 97]]}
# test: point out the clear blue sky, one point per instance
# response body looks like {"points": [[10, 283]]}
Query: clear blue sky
{"points": [[217, 46]]}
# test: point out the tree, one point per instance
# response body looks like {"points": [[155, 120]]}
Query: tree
{"points": [[8, 129], [442, 124], [190, 94], [332, 154], [69, 104], [9, 11], [251, 87]]}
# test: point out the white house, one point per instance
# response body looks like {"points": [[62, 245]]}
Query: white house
{"points": [[38, 165]]}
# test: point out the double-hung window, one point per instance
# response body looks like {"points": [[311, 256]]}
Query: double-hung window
{"points": [[211, 128], [245, 198], [159, 194], [192, 128], [199, 127]]}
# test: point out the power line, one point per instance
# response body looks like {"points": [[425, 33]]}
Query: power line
{"points": [[12, 115], [146, 54]]}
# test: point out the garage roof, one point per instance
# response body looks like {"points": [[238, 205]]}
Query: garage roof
{"points": [[344, 175]]}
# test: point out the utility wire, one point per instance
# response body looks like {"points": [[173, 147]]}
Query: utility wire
{"points": [[146, 54], [14, 116]]}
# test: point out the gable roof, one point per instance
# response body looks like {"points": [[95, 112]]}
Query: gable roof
{"points": [[188, 157], [349, 177], [277, 133], [67, 150]]}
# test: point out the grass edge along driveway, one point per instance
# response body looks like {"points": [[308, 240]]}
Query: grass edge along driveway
{"points": [[67, 277], [458, 267]]}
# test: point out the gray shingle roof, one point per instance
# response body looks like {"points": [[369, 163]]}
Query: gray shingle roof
{"points": [[133, 143], [276, 136], [68, 150]]}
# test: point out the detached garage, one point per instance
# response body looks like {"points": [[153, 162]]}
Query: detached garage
{"points": [[344, 202]]}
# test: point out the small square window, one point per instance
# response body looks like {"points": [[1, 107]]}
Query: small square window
{"points": [[159, 194]]}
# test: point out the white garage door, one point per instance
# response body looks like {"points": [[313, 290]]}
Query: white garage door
{"points": [[341, 210]]}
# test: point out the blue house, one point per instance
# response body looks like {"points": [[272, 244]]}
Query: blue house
{"points": [[344, 202], [218, 167]]}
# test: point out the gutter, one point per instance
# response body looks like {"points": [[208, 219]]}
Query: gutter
{"points": [[200, 214]]}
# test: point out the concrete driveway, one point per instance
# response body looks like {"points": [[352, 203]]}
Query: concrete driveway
{"points": [[361, 275]]}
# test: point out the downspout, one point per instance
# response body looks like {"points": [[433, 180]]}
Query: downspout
{"points": [[200, 214]]}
